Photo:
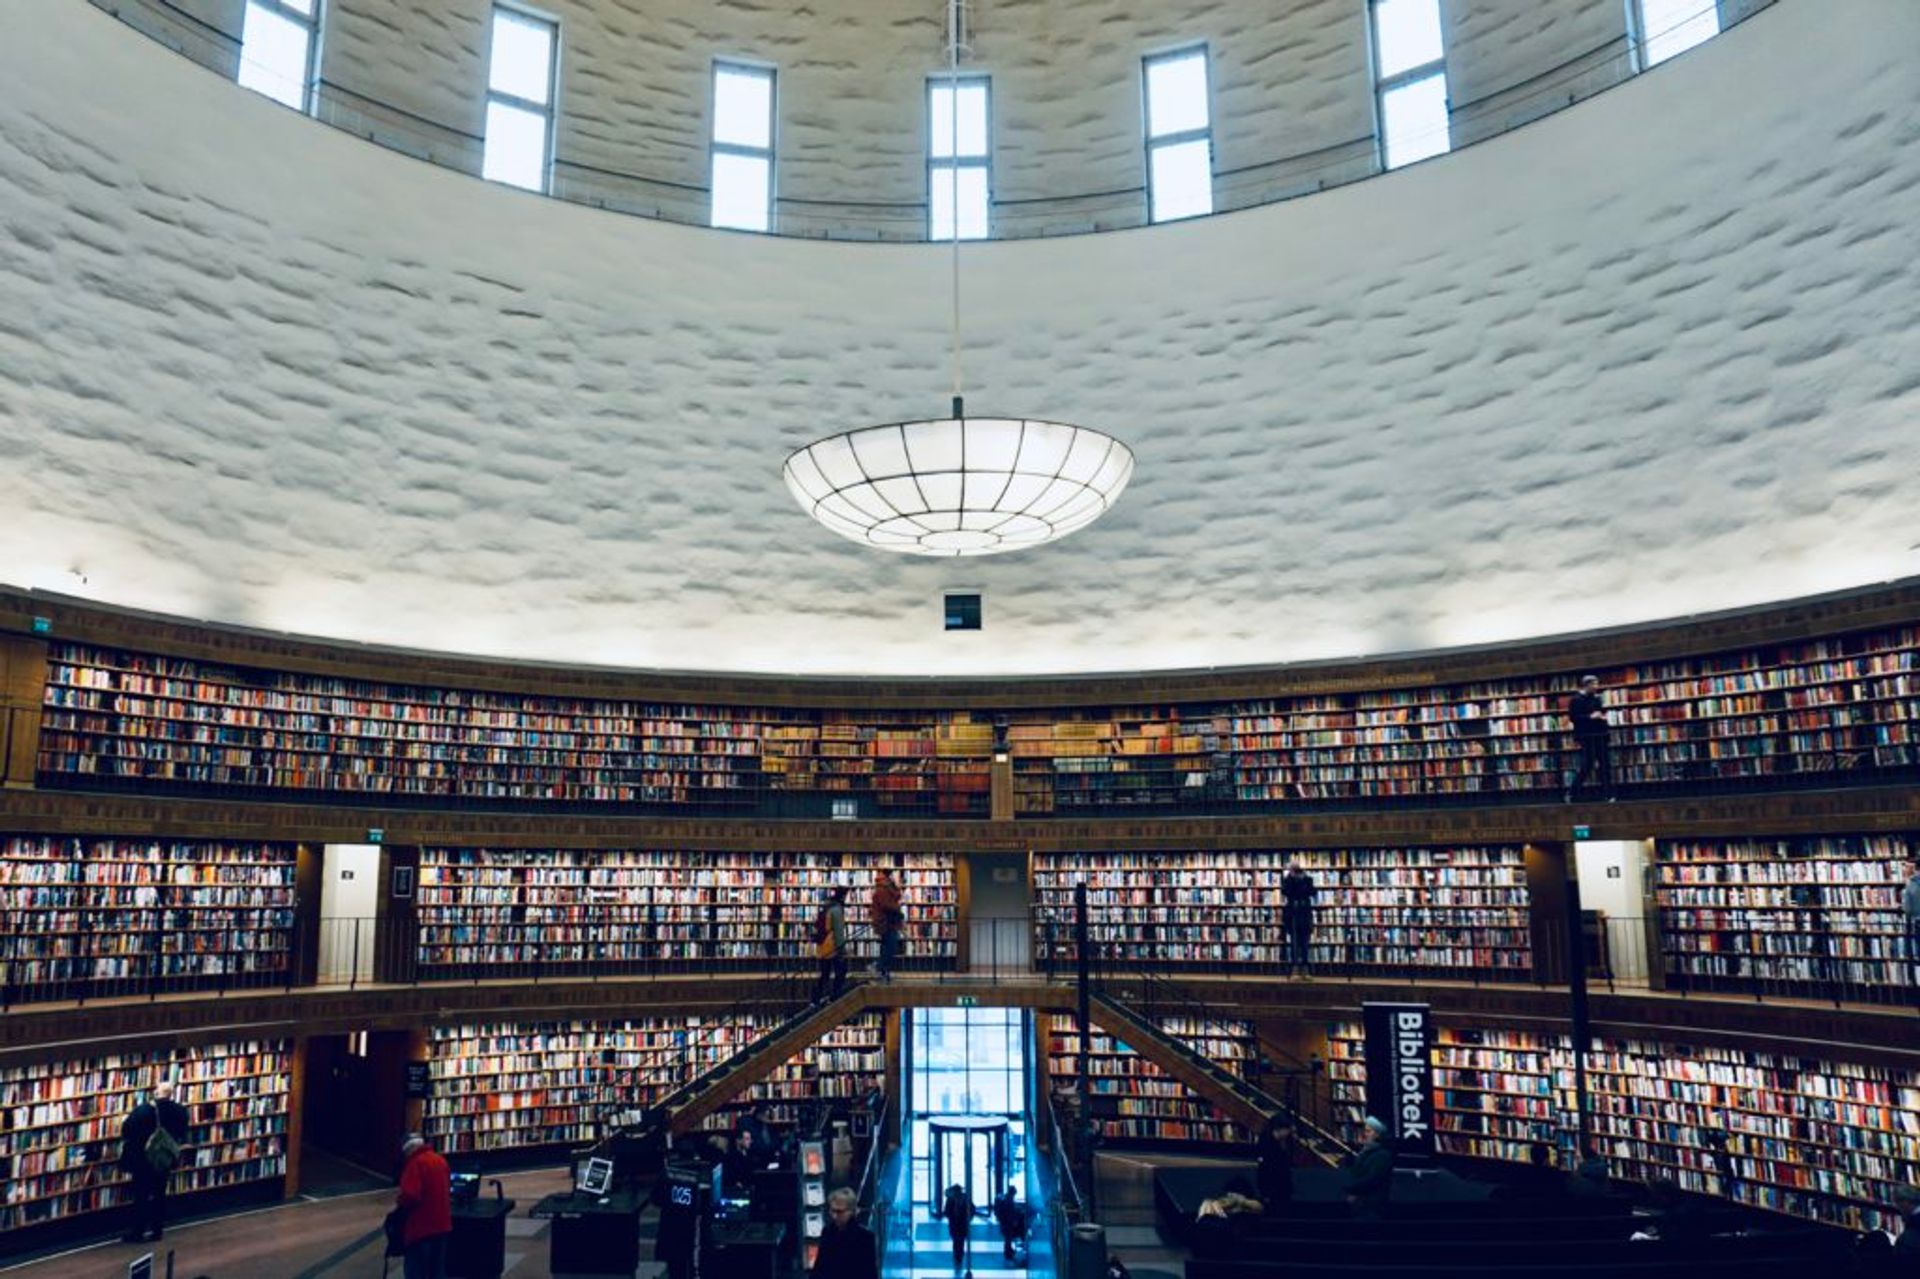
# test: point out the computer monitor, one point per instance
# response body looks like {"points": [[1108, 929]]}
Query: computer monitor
{"points": [[596, 1178]]}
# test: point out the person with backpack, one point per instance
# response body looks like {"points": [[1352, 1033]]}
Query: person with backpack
{"points": [[153, 1141], [830, 944], [426, 1204], [887, 916]]}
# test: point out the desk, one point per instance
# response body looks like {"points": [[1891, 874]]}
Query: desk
{"points": [[592, 1236], [478, 1249], [744, 1249]]}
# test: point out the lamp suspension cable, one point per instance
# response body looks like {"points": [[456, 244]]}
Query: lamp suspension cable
{"points": [[956, 28], [958, 485]]}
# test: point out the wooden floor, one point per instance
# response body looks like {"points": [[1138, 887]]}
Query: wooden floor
{"points": [[340, 1237], [334, 1238]]}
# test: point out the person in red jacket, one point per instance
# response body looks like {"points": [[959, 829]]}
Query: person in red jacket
{"points": [[426, 1195]]}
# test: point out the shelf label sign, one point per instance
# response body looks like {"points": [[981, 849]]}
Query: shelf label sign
{"points": [[419, 1080], [1399, 1049]]}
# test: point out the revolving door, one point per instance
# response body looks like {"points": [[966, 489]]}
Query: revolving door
{"points": [[973, 1152]]}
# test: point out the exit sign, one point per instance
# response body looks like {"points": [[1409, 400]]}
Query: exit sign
{"points": [[966, 1001], [1582, 832]]}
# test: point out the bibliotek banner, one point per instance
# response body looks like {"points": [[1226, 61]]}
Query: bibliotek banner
{"points": [[1400, 1075]]}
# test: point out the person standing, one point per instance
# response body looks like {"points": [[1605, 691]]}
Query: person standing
{"points": [[958, 1210], [830, 944], [1297, 892], [150, 1158], [1910, 908], [847, 1248], [1011, 1216], [887, 916], [1587, 717], [1276, 1154], [1369, 1172], [426, 1196]]}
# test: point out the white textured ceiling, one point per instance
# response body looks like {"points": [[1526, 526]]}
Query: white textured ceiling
{"points": [[1649, 356]]}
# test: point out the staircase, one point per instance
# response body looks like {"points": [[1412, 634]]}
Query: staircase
{"points": [[720, 1084], [1238, 1099]]}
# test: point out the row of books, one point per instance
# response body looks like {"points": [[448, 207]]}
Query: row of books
{"points": [[1753, 713], [60, 1145], [1817, 1137], [481, 906], [1740, 913], [192, 912], [1428, 907], [1132, 1099], [504, 1085]]}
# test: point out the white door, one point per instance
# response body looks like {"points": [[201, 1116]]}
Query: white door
{"points": [[1612, 879], [349, 879]]}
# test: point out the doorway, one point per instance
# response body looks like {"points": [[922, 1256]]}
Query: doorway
{"points": [[969, 1083], [349, 898], [973, 1152], [1613, 907], [353, 1111], [1000, 900]]}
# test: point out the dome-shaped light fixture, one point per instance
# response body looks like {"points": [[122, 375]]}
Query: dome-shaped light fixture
{"points": [[960, 485]]}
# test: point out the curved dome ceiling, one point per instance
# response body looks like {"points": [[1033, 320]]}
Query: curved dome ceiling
{"points": [[1646, 357]]}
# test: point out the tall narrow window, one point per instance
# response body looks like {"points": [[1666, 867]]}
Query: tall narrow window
{"points": [[1179, 136], [1410, 79], [959, 157], [1663, 28], [742, 180], [276, 50], [520, 99]]}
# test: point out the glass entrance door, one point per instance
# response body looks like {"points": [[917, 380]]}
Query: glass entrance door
{"points": [[971, 1153], [967, 1072]]}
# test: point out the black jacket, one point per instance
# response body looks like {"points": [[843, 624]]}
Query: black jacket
{"points": [[958, 1210], [847, 1252], [1370, 1174], [139, 1125]]}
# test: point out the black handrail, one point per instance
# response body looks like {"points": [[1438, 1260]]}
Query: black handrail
{"points": [[1154, 995], [781, 992]]}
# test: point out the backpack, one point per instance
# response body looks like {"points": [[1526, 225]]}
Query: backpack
{"points": [[822, 935], [161, 1150]]}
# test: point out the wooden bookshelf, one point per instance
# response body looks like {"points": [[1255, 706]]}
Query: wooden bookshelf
{"points": [[845, 1064], [501, 1087], [87, 916], [1805, 914], [61, 1143], [1450, 909], [626, 910], [1810, 1137], [1843, 704], [1126, 757], [1134, 1100], [1825, 705], [152, 721]]}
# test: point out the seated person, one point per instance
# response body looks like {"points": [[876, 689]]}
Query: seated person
{"points": [[1679, 1220], [1590, 1179], [1368, 1172]]}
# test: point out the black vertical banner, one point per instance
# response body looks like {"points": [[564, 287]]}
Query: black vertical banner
{"points": [[1400, 1075]]}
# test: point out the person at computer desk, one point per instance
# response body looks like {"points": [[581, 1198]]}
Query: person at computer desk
{"points": [[766, 1139], [847, 1248], [745, 1157]]}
